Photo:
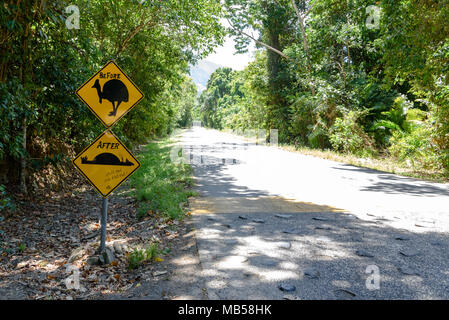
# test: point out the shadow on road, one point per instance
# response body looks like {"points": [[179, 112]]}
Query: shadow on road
{"points": [[248, 252], [393, 184]]}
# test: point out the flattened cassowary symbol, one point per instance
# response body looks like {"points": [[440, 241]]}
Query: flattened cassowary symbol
{"points": [[107, 159], [115, 91]]}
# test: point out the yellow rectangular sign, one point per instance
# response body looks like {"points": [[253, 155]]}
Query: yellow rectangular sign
{"points": [[106, 163], [109, 94]]}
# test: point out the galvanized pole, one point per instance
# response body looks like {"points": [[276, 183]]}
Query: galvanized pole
{"points": [[104, 218]]}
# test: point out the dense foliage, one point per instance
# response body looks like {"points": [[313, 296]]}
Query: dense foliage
{"points": [[334, 74], [328, 74], [43, 62]]}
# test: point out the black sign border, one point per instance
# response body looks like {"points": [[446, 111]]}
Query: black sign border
{"points": [[91, 109], [90, 181]]}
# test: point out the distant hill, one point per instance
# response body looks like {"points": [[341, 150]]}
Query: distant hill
{"points": [[201, 73]]}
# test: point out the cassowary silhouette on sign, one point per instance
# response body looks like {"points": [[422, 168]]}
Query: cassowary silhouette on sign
{"points": [[115, 91]]}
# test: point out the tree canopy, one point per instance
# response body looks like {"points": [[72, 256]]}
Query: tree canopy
{"points": [[43, 62], [349, 75]]}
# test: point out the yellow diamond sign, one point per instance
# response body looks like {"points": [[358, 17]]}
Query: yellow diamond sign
{"points": [[109, 94], [106, 163]]}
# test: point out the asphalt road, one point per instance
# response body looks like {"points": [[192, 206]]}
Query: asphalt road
{"points": [[266, 217]]}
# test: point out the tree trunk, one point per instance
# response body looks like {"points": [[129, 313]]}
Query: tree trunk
{"points": [[258, 41], [22, 174], [23, 186], [305, 42]]}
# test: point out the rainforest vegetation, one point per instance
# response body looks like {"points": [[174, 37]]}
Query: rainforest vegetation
{"points": [[365, 80], [354, 76], [46, 56]]}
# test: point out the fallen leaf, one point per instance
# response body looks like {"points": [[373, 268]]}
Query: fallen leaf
{"points": [[159, 273]]}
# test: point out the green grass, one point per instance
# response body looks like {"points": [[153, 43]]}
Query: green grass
{"points": [[381, 163], [152, 251], [161, 186], [385, 164], [136, 258], [140, 255], [22, 247]]}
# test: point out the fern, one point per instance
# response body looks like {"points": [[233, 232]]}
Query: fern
{"points": [[386, 124]]}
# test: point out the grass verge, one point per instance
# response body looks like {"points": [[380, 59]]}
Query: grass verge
{"points": [[161, 186], [386, 164]]}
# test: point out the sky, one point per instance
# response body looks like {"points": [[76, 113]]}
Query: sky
{"points": [[224, 56]]}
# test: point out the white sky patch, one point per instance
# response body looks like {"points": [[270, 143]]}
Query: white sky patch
{"points": [[226, 54]]}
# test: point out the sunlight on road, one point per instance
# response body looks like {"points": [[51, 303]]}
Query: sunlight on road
{"points": [[266, 216]]}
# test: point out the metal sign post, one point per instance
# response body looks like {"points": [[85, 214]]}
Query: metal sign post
{"points": [[104, 219], [106, 163]]}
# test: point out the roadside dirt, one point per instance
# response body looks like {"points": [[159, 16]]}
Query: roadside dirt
{"points": [[48, 240]]}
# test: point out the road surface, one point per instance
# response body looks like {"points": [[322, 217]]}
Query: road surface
{"points": [[268, 219]]}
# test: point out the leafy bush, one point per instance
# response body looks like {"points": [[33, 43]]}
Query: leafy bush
{"points": [[318, 138], [440, 112], [301, 119], [347, 135], [400, 120], [416, 148], [6, 204]]}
